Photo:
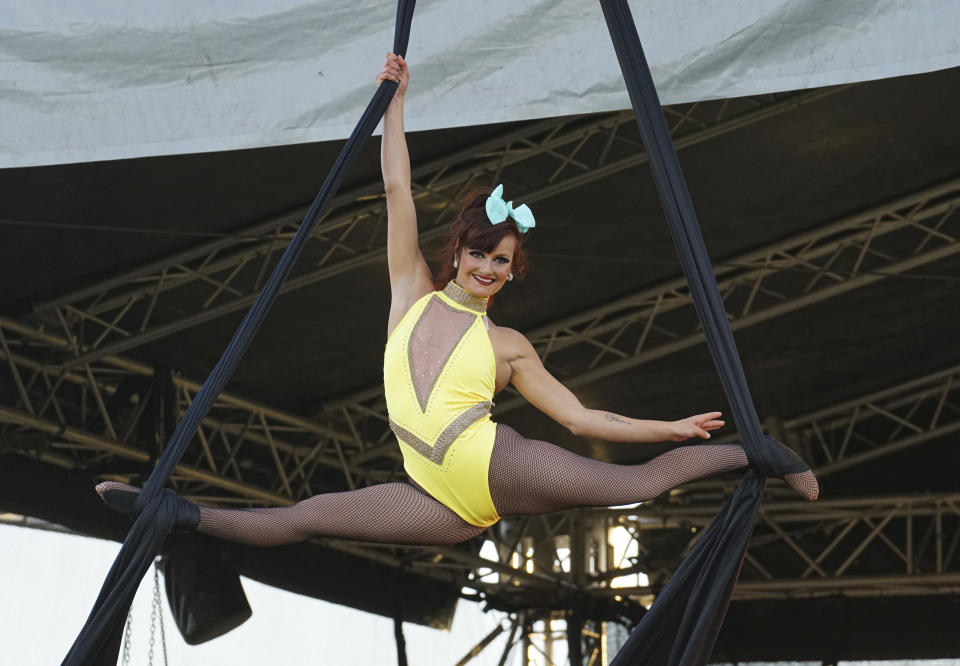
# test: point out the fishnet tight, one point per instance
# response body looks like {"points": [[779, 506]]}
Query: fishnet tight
{"points": [[385, 513], [526, 477], [530, 476]]}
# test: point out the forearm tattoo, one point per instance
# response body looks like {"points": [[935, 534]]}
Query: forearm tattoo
{"points": [[615, 419]]}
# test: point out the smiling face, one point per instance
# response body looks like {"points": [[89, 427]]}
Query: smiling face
{"points": [[485, 253], [482, 273]]}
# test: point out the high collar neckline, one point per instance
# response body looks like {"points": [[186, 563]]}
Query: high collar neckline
{"points": [[458, 294]]}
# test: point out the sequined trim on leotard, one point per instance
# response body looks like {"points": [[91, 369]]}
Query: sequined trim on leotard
{"points": [[449, 435], [456, 293]]}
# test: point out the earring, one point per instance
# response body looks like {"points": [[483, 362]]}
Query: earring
{"points": [[510, 277], [456, 263]]}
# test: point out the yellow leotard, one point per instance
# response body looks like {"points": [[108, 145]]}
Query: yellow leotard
{"points": [[439, 374]]}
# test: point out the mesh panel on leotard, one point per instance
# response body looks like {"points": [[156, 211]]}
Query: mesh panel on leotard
{"points": [[386, 513], [434, 338], [530, 476]]}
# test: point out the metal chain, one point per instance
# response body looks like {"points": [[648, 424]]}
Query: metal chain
{"points": [[158, 613], [126, 638], [153, 628], [156, 617]]}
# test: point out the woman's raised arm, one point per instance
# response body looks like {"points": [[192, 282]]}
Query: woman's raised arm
{"points": [[409, 275]]}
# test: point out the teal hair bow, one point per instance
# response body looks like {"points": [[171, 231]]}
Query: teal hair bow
{"points": [[498, 210]]}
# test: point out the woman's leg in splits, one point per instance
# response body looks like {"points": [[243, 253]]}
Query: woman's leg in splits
{"points": [[530, 476], [525, 476], [386, 513]]}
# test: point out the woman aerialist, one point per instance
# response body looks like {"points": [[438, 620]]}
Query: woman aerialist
{"points": [[444, 361]]}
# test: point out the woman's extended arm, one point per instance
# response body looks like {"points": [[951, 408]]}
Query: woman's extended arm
{"points": [[409, 275], [557, 401]]}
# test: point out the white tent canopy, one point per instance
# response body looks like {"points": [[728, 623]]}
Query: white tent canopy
{"points": [[109, 79]]}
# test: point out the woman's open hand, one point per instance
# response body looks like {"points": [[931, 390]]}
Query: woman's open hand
{"points": [[395, 69], [699, 425]]}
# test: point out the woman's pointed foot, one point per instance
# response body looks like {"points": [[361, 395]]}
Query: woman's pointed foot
{"points": [[782, 462], [119, 496], [122, 497], [805, 484]]}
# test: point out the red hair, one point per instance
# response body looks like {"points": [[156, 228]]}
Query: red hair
{"points": [[472, 229]]}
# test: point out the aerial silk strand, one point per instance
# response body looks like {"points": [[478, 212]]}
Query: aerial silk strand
{"points": [[681, 627], [99, 640]]}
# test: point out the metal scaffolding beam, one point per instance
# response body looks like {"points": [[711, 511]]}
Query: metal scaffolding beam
{"points": [[870, 546], [902, 545], [853, 252], [858, 431], [867, 546], [256, 452], [879, 424], [223, 276]]}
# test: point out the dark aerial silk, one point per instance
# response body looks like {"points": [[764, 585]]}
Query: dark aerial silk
{"points": [[681, 627]]}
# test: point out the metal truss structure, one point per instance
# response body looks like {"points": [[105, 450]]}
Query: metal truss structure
{"points": [[86, 418], [873, 546], [856, 547], [254, 452], [858, 431], [539, 639], [68, 398], [861, 546], [888, 240], [222, 276]]}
